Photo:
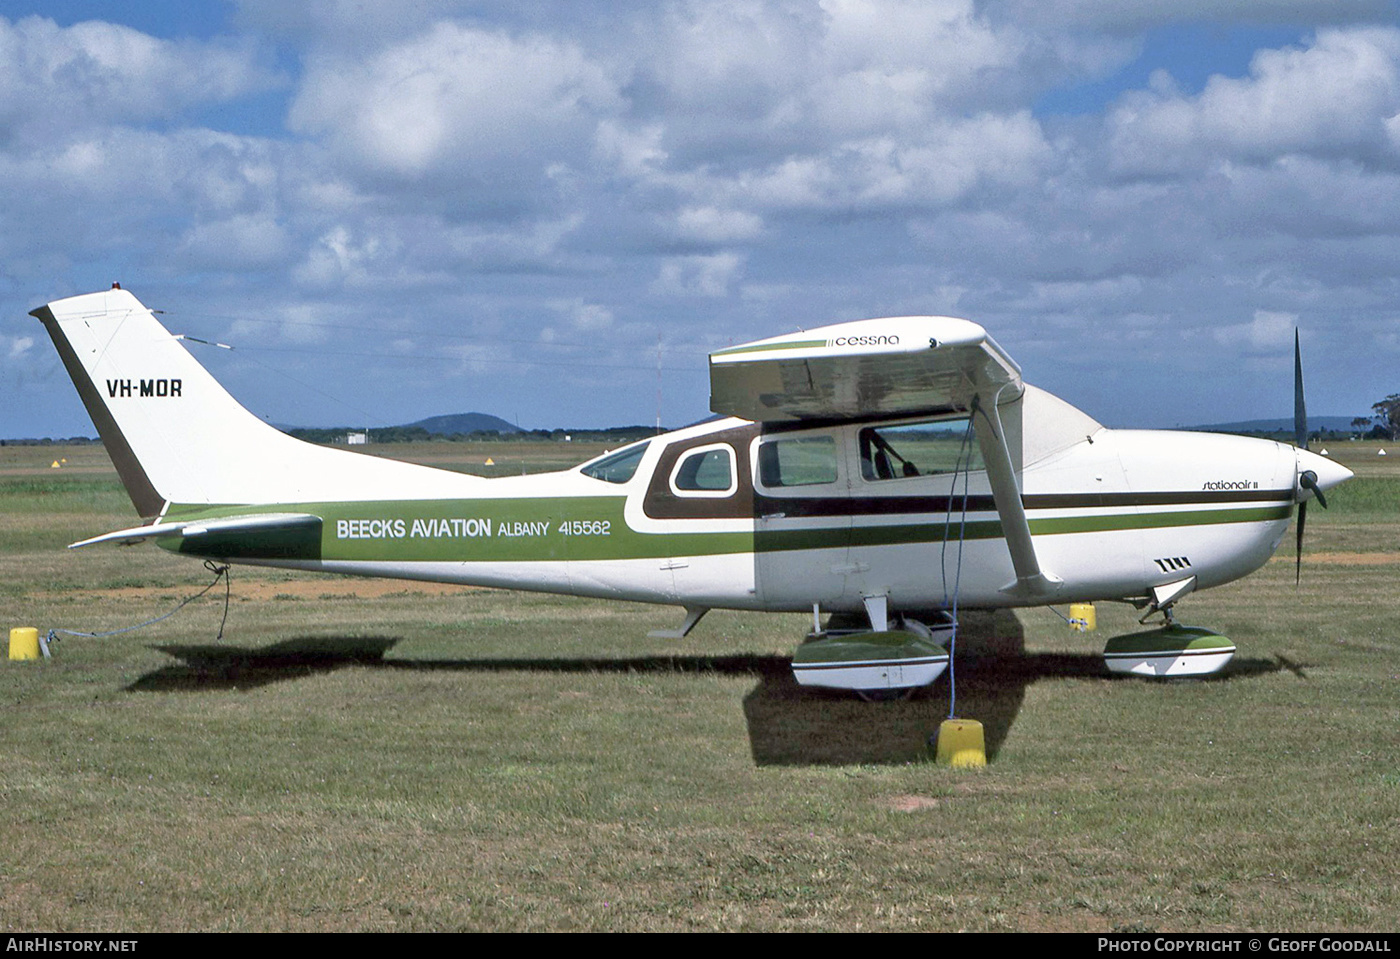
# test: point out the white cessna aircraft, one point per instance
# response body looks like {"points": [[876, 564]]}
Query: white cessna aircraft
{"points": [[886, 471]]}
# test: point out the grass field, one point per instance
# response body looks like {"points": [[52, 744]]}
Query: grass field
{"points": [[365, 755]]}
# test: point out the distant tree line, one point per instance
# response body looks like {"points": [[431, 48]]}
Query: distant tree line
{"points": [[1386, 419], [1316, 436], [1382, 424], [51, 441]]}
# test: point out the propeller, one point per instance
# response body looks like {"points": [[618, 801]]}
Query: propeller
{"points": [[1307, 479]]}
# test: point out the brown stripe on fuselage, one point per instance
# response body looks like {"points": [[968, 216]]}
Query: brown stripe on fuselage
{"points": [[661, 503]]}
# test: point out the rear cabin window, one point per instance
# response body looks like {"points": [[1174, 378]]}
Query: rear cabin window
{"points": [[707, 472], [800, 461], [918, 449], [616, 467]]}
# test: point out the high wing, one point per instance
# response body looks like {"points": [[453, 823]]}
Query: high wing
{"points": [[897, 366], [887, 367]]}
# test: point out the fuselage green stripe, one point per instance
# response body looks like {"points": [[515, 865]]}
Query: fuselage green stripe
{"points": [[1162, 520], [794, 345], [594, 528]]}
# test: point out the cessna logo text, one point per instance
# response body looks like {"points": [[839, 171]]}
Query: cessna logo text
{"points": [[122, 388], [882, 340], [1230, 484]]}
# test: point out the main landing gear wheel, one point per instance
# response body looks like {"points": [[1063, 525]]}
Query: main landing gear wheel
{"points": [[884, 666]]}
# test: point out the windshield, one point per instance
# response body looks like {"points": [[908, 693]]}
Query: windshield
{"points": [[616, 467]]}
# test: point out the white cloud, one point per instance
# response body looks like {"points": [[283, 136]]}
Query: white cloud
{"points": [[945, 163], [739, 59], [1269, 331], [55, 79], [319, 20], [774, 79], [582, 315], [708, 276], [338, 257], [188, 197], [456, 100], [1071, 295], [303, 323], [524, 244], [241, 242], [1290, 103], [1115, 16], [475, 359], [633, 152], [1308, 198], [707, 224], [897, 62]]}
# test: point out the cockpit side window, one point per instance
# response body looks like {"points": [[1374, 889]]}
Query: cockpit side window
{"points": [[616, 467], [918, 449], [799, 461], [705, 472]]}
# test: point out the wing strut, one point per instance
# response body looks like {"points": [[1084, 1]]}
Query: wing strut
{"points": [[1031, 582]]}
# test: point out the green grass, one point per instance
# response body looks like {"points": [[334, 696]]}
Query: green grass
{"points": [[408, 757]]}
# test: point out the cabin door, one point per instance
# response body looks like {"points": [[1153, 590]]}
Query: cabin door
{"points": [[802, 519]]}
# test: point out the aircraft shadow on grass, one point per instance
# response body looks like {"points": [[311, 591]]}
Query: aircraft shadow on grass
{"points": [[788, 724]]}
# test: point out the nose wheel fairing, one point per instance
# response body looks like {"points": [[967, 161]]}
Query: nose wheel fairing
{"points": [[1170, 652]]}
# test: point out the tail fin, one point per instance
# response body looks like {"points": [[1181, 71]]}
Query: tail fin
{"points": [[176, 436]]}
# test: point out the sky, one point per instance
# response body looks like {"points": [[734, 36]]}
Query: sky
{"points": [[552, 211]]}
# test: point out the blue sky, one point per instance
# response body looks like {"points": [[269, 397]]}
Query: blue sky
{"points": [[395, 211]]}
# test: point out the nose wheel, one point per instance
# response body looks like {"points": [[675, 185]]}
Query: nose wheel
{"points": [[1172, 651]]}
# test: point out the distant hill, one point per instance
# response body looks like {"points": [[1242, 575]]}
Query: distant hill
{"points": [[1316, 424], [463, 423], [465, 426]]}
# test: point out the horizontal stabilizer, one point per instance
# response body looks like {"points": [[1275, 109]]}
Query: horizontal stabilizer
{"points": [[232, 524]]}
